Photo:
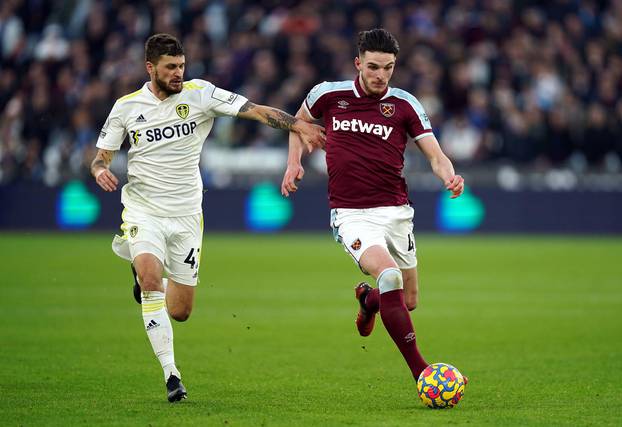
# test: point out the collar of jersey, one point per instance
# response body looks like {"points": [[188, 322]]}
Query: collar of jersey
{"points": [[155, 98], [362, 94]]}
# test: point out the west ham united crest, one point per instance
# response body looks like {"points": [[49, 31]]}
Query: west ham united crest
{"points": [[182, 110], [387, 109], [356, 245]]}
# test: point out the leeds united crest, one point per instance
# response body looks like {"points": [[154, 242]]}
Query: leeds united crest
{"points": [[182, 110]]}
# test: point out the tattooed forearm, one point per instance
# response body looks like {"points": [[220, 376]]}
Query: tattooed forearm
{"points": [[273, 117], [248, 106], [102, 160], [280, 119]]}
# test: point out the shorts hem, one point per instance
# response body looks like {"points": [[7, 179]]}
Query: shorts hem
{"points": [[184, 282], [408, 267], [159, 256]]}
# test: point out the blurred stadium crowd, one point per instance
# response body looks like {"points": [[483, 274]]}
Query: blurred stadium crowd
{"points": [[529, 83]]}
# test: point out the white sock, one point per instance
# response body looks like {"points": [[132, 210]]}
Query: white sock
{"points": [[159, 330]]}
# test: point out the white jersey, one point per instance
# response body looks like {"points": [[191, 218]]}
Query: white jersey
{"points": [[166, 138]]}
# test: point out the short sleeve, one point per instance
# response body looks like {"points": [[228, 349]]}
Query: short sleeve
{"points": [[219, 102], [113, 132], [315, 102], [418, 123]]}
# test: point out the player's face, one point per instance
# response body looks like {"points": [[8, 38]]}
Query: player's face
{"points": [[168, 73], [375, 71]]}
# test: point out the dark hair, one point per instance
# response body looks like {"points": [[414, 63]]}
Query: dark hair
{"points": [[377, 40], [162, 44]]}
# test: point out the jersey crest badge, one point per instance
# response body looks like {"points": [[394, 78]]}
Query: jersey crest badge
{"points": [[133, 231], [387, 109], [356, 245], [182, 110]]}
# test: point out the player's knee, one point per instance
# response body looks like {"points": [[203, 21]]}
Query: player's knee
{"points": [[411, 305], [150, 282], [181, 317], [411, 301], [390, 279], [180, 314]]}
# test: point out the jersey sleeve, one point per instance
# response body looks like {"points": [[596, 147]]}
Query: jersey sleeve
{"points": [[219, 102], [113, 132], [316, 100], [418, 124]]}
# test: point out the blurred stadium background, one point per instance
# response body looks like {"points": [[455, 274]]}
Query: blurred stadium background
{"points": [[525, 98]]}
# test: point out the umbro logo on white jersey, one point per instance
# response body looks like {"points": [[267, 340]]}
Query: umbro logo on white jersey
{"points": [[141, 119]]}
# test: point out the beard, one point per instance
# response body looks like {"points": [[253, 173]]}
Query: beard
{"points": [[370, 88], [167, 88]]}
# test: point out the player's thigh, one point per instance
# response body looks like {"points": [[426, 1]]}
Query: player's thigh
{"points": [[360, 234], [376, 259], [411, 287], [149, 271], [179, 300], [146, 240], [183, 250]]}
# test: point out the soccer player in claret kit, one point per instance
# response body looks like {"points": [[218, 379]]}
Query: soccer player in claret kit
{"points": [[368, 125], [167, 121]]}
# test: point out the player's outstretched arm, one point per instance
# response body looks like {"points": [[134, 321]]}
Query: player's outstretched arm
{"points": [[312, 135], [441, 165], [100, 169], [294, 172]]}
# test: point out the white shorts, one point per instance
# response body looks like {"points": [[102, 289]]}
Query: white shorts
{"points": [[388, 226], [176, 242]]}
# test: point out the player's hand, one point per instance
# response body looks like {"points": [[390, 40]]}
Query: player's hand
{"points": [[106, 180], [312, 135], [292, 176], [455, 185]]}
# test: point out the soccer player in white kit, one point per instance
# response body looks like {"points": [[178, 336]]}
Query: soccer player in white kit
{"points": [[167, 121]]}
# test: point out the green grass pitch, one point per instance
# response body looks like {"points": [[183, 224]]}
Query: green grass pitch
{"points": [[535, 322]]}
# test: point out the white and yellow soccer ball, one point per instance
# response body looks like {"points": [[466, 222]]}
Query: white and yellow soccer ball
{"points": [[440, 386]]}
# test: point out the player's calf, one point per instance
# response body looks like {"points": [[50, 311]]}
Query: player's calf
{"points": [[179, 300]]}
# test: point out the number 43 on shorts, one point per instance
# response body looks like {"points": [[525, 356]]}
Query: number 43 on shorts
{"points": [[191, 259]]}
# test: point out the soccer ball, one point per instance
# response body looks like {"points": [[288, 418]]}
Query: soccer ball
{"points": [[440, 386]]}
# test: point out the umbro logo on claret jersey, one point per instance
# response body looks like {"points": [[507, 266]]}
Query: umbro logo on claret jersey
{"points": [[343, 104], [141, 119]]}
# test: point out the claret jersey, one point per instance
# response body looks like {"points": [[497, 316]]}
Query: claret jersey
{"points": [[365, 141], [166, 138]]}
